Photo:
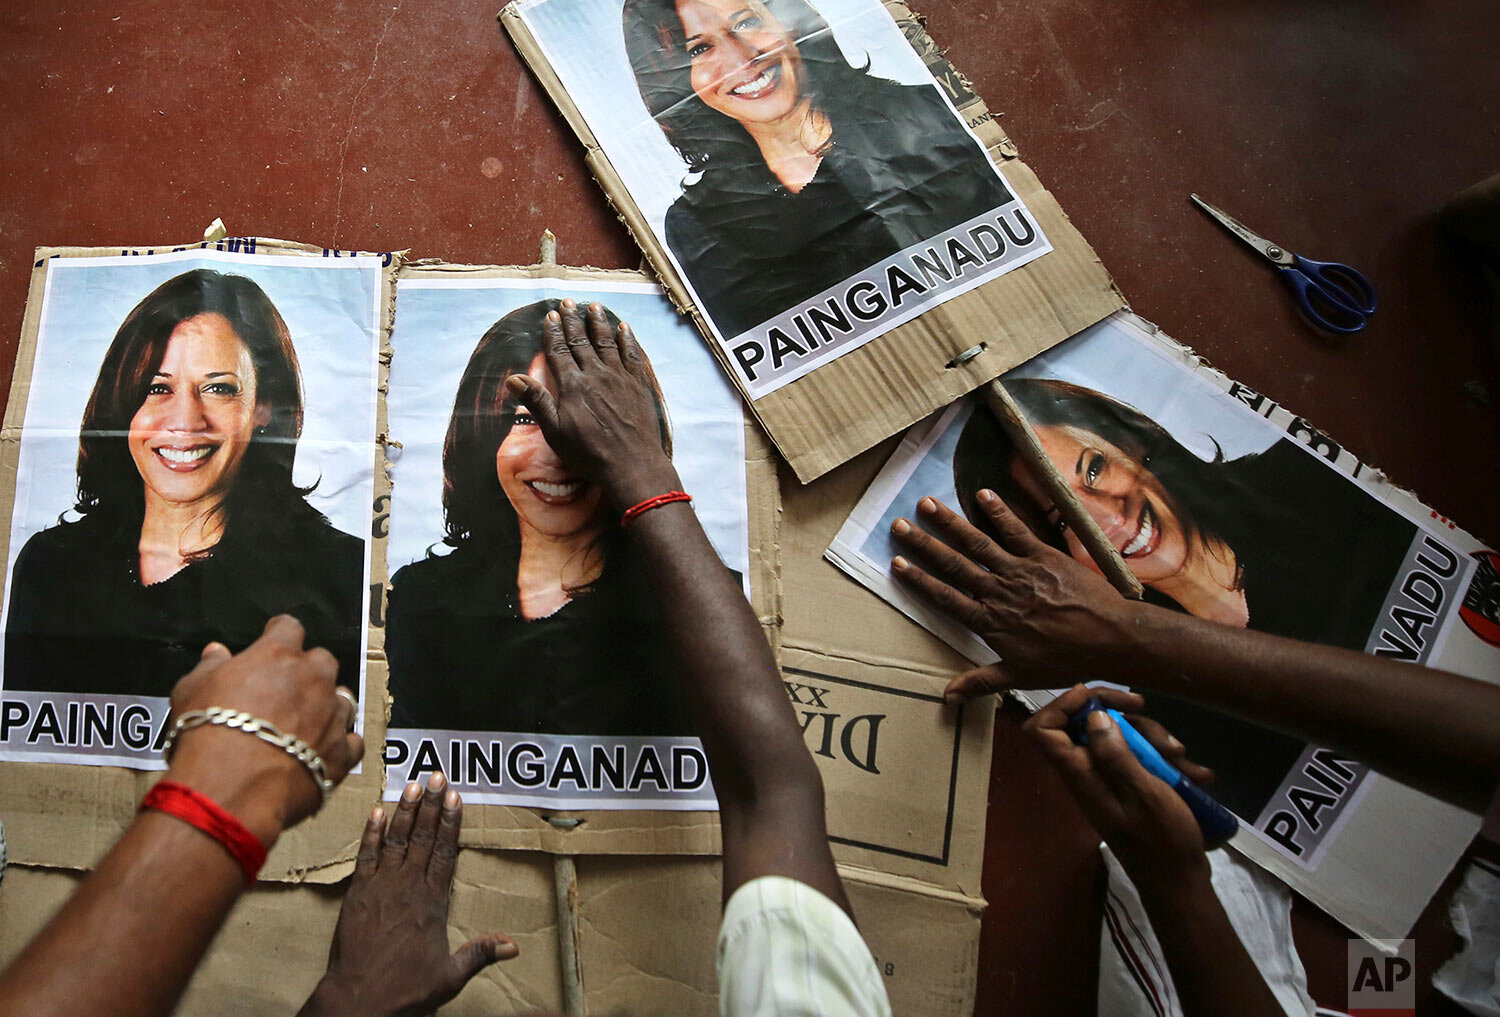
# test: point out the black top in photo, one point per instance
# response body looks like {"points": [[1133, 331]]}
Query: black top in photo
{"points": [[900, 169], [1319, 554], [81, 622], [462, 657]]}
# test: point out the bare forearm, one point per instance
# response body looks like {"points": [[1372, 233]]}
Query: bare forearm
{"points": [[1437, 731], [1213, 973], [770, 792], [606, 418], [743, 714], [126, 943]]}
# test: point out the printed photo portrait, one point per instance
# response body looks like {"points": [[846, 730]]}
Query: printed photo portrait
{"points": [[197, 457], [789, 156], [518, 605], [1217, 511]]}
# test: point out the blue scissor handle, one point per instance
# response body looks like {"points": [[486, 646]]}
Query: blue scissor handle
{"points": [[1331, 295]]}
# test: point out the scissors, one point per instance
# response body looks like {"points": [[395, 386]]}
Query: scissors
{"points": [[1330, 295]]}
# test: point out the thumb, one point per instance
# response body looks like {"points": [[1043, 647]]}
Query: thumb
{"points": [[476, 955], [1113, 760], [976, 682], [537, 399]]}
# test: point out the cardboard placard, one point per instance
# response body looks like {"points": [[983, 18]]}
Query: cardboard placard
{"points": [[1318, 546], [446, 291], [852, 399], [881, 738], [337, 306]]}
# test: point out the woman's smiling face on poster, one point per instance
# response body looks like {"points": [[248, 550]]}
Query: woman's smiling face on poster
{"points": [[1124, 497], [199, 415], [744, 64], [547, 496]]}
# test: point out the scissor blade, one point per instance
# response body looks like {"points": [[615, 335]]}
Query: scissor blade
{"points": [[1255, 240]]}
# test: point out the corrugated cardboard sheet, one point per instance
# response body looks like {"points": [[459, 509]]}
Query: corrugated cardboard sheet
{"points": [[647, 929], [846, 406]]}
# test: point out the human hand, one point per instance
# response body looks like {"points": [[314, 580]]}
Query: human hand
{"points": [[390, 956], [603, 421], [276, 680], [1046, 615], [1145, 822]]}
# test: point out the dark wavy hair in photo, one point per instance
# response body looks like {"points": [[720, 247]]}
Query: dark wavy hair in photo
{"points": [[1211, 498], [109, 484], [657, 49], [476, 511]]}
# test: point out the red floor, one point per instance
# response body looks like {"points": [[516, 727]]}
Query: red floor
{"points": [[1337, 128]]}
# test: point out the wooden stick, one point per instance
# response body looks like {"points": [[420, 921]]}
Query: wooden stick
{"points": [[565, 886], [1029, 448]]}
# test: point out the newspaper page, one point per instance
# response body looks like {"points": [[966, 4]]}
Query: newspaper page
{"points": [[196, 456], [808, 178], [1190, 472], [527, 660]]}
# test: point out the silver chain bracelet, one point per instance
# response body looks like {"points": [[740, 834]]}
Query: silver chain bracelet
{"points": [[267, 732]]}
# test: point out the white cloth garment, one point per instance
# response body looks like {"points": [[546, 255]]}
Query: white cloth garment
{"points": [[1133, 976], [1471, 978], [787, 950]]}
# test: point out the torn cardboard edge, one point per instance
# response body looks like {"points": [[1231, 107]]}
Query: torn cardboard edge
{"points": [[851, 403], [67, 815]]}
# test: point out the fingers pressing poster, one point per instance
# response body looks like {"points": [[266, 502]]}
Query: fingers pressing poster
{"points": [[527, 660], [196, 456], [811, 182], [1224, 505]]}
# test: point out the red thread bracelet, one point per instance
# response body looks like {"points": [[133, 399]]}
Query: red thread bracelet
{"points": [[197, 809], [651, 503]]}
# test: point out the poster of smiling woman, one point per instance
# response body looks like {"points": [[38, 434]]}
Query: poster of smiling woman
{"points": [[1227, 506], [807, 177], [196, 455], [527, 658]]}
